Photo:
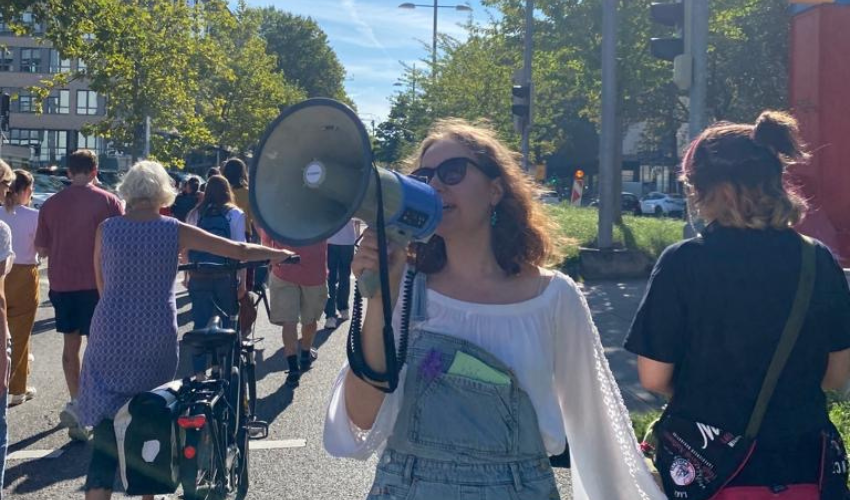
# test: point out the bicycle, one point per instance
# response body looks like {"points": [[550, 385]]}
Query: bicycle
{"points": [[216, 415]]}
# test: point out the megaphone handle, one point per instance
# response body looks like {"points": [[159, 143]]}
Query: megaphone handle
{"points": [[370, 283]]}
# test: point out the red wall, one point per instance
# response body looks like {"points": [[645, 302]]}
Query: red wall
{"points": [[819, 88]]}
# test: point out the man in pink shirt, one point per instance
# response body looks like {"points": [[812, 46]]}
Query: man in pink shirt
{"points": [[67, 223], [298, 291]]}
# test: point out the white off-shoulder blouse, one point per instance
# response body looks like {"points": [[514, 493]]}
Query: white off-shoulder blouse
{"points": [[551, 344]]}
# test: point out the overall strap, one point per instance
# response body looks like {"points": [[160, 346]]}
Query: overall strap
{"points": [[789, 335]]}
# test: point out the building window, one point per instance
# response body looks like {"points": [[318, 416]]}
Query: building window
{"points": [[91, 142], [57, 64], [26, 137], [81, 65], [59, 102], [6, 60], [31, 60], [57, 146], [26, 102], [86, 102], [28, 19]]}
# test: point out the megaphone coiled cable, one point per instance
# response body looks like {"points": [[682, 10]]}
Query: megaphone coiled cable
{"points": [[388, 381]]}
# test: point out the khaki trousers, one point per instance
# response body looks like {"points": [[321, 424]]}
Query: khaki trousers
{"points": [[22, 296]]}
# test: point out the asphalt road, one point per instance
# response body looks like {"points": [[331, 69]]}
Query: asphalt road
{"points": [[293, 464]]}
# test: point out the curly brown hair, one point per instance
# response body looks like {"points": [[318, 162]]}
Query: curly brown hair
{"points": [[521, 235], [734, 172]]}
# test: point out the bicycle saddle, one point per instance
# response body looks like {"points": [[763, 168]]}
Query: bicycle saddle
{"points": [[211, 337]]}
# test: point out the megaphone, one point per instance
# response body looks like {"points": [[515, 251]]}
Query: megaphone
{"points": [[313, 172]]}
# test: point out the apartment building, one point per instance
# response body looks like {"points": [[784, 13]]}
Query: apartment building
{"points": [[57, 131]]}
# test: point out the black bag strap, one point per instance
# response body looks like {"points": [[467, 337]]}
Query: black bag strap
{"points": [[789, 336]]}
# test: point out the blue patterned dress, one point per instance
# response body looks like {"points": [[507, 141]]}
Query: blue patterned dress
{"points": [[132, 346]]}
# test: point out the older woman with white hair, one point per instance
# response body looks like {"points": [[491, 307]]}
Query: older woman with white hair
{"points": [[133, 346]]}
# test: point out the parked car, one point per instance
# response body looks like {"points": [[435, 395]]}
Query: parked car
{"points": [[661, 204], [628, 203], [109, 180], [44, 186], [178, 177], [549, 198]]}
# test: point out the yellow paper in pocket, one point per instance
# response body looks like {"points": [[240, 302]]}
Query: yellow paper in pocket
{"points": [[471, 367]]}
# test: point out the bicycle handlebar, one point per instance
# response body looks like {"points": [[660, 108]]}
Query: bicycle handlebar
{"points": [[212, 267]]}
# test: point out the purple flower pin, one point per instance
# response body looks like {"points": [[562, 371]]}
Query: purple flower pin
{"points": [[432, 365]]}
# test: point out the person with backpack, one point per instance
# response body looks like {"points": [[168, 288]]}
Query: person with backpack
{"points": [[217, 215]]}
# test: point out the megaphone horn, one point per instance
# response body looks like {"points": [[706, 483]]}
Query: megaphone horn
{"points": [[313, 172]]}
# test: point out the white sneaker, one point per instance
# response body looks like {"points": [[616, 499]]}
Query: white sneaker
{"points": [[16, 399], [330, 323], [344, 316], [30, 357], [71, 419]]}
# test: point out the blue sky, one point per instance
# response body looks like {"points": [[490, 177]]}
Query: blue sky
{"points": [[371, 37]]}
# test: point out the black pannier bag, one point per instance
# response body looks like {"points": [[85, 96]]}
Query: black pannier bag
{"points": [[146, 432]]}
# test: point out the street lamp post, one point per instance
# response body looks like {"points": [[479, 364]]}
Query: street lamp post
{"points": [[462, 8]]}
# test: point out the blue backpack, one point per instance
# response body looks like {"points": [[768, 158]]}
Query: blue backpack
{"points": [[214, 221]]}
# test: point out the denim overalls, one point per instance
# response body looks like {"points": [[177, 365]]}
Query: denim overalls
{"points": [[465, 429]]}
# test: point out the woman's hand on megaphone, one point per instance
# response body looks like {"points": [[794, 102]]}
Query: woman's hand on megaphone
{"points": [[366, 258]]}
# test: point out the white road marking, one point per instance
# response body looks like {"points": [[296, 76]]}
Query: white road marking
{"points": [[273, 445], [255, 445], [34, 454]]}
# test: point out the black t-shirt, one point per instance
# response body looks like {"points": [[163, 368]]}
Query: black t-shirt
{"points": [[716, 307], [183, 204]]}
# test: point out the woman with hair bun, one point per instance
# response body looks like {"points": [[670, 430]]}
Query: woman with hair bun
{"points": [[505, 364], [716, 307]]}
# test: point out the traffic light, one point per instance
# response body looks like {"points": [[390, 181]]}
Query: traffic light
{"points": [[5, 109], [677, 15], [521, 104]]}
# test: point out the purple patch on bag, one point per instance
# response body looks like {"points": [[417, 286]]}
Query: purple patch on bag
{"points": [[432, 365]]}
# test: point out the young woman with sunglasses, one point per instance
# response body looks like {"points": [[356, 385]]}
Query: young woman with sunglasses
{"points": [[504, 364]]}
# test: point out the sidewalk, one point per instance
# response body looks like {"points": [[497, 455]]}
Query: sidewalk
{"points": [[613, 305]]}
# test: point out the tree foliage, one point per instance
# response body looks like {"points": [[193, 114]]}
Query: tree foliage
{"points": [[747, 72], [242, 91], [203, 74], [303, 53]]}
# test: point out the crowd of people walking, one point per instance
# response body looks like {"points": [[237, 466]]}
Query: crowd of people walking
{"points": [[504, 365]]}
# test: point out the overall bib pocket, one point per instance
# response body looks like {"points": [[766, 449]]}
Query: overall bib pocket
{"points": [[458, 413]]}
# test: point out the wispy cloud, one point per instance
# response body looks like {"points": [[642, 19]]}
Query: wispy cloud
{"points": [[363, 28], [371, 37]]}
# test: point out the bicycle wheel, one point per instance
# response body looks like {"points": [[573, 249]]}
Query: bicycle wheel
{"points": [[199, 475], [251, 376], [241, 472], [238, 473]]}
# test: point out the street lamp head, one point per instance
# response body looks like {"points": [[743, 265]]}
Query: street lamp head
{"points": [[407, 5], [463, 8]]}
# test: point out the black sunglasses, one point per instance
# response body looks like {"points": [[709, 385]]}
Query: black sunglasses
{"points": [[450, 172]]}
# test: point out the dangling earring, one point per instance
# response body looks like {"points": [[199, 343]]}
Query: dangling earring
{"points": [[494, 217]]}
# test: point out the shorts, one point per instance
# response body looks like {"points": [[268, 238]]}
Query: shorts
{"points": [[74, 310], [104, 457], [290, 302]]}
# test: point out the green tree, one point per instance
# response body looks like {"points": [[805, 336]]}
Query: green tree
{"points": [[243, 91], [303, 53], [138, 54], [473, 77]]}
